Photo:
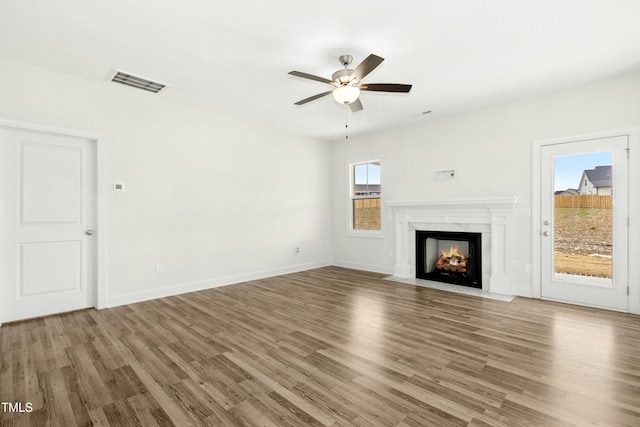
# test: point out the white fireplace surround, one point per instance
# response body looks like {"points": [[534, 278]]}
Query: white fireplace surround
{"points": [[491, 216]]}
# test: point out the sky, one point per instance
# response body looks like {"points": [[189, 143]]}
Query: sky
{"points": [[373, 172], [568, 169]]}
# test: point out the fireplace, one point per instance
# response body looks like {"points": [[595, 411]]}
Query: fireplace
{"points": [[450, 257], [490, 216]]}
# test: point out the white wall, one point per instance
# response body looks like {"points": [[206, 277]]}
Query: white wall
{"points": [[217, 200], [490, 150]]}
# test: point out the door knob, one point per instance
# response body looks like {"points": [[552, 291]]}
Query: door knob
{"points": [[546, 233], [89, 232]]}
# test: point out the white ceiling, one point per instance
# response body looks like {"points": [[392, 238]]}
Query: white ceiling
{"points": [[233, 57]]}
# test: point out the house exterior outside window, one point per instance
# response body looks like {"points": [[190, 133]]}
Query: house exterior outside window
{"points": [[365, 198], [597, 181]]}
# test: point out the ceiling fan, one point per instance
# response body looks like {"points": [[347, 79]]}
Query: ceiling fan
{"points": [[347, 83]]}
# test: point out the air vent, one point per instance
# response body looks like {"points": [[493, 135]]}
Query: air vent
{"points": [[138, 82]]}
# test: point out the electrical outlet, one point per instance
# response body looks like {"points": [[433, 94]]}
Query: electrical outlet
{"points": [[159, 268], [296, 250]]}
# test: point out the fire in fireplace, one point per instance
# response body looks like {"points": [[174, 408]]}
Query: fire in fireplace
{"points": [[451, 257], [453, 260]]}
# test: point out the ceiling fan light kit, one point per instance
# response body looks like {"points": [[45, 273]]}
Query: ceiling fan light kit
{"points": [[346, 94], [347, 83]]}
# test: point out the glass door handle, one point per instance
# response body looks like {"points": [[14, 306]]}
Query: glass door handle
{"points": [[546, 233]]}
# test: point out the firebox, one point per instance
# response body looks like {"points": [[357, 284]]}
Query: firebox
{"points": [[450, 257]]}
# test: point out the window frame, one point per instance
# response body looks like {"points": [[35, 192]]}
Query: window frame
{"points": [[351, 197]]}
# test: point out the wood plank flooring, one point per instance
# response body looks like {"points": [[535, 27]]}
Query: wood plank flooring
{"points": [[326, 347]]}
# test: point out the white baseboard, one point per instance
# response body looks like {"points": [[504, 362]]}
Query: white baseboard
{"points": [[366, 267], [199, 285], [522, 291]]}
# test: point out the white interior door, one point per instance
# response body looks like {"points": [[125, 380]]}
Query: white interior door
{"points": [[584, 237], [47, 216]]}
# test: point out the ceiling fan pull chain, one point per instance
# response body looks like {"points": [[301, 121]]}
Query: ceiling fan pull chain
{"points": [[346, 121]]}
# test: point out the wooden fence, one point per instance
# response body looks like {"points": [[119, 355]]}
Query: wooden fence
{"points": [[583, 201], [580, 201], [366, 203]]}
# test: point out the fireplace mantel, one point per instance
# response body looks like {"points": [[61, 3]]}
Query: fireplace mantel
{"points": [[491, 216]]}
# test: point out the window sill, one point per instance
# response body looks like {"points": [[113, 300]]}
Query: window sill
{"points": [[366, 233]]}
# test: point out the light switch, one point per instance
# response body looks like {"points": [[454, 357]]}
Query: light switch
{"points": [[445, 175]]}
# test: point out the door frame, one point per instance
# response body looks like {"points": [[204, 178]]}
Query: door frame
{"points": [[101, 142], [633, 274]]}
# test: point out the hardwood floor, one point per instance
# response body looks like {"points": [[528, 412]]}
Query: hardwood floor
{"points": [[331, 347]]}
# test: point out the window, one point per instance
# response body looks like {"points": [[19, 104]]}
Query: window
{"points": [[366, 190]]}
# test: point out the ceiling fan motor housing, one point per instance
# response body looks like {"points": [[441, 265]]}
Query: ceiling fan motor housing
{"points": [[342, 77]]}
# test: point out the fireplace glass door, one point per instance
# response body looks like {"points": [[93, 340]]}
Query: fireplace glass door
{"points": [[451, 257]]}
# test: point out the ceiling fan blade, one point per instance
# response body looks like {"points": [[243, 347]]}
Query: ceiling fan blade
{"points": [[313, 98], [369, 64], [386, 87], [356, 105], [309, 76]]}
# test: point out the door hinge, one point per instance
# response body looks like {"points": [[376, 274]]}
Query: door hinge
{"points": [[627, 150]]}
